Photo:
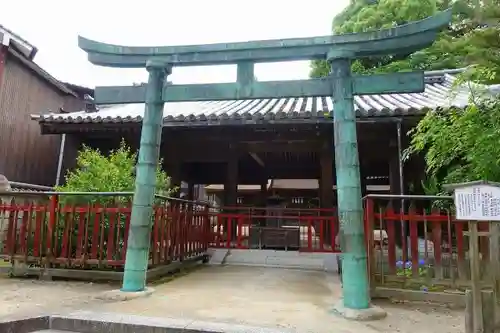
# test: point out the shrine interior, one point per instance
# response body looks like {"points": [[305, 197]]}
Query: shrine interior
{"points": [[225, 157]]}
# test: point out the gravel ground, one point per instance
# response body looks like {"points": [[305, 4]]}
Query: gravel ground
{"points": [[414, 317], [269, 297], [20, 297]]}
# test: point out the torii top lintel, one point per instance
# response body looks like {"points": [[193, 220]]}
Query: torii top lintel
{"points": [[401, 39]]}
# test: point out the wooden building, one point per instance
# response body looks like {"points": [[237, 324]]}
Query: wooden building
{"points": [[249, 142], [25, 89], [297, 193]]}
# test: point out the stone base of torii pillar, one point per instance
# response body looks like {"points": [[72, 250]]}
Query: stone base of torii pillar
{"points": [[118, 295], [372, 313]]}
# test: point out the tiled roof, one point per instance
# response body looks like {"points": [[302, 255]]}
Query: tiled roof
{"points": [[438, 94]]}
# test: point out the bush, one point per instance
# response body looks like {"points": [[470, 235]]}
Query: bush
{"points": [[96, 172]]}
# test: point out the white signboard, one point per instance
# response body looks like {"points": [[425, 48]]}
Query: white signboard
{"points": [[477, 202]]}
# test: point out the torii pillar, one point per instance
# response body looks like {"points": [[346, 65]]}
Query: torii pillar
{"points": [[134, 276], [350, 209]]}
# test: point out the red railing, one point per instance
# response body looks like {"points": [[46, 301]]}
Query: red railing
{"points": [[416, 240], [91, 229], [306, 230]]}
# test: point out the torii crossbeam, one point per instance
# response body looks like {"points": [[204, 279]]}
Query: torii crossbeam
{"points": [[338, 50]]}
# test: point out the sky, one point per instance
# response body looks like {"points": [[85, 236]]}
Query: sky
{"points": [[53, 26]]}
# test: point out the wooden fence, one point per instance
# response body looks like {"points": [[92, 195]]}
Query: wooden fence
{"points": [[305, 230], [418, 250], [89, 231]]}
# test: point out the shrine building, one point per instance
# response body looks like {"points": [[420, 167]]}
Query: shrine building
{"points": [[248, 150]]}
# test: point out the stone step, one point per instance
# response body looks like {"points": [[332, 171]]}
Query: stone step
{"points": [[282, 259]]}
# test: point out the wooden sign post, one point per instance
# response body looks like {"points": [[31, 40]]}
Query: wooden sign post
{"points": [[480, 202]]}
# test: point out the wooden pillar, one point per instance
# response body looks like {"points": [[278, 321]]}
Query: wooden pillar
{"points": [[326, 190], [395, 177], [394, 172], [263, 194], [231, 184], [231, 193], [326, 179], [396, 167], [262, 203], [364, 171], [190, 194]]}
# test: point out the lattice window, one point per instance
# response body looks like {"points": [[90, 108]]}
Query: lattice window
{"points": [[298, 200], [239, 200]]}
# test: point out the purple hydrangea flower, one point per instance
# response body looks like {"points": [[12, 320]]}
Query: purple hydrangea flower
{"points": [[408, 264], [399, 264], [421, 262]]}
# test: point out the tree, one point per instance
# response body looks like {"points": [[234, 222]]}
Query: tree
{"points": [[459, 145], [472, 39]]}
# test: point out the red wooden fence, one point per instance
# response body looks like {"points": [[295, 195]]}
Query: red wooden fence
{"points": [[416, 241], [62, 232], [317, 228], [408, 237]]}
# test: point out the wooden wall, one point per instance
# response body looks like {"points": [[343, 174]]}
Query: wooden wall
{"points": [[25, 154]]}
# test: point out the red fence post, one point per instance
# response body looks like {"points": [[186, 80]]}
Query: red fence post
{"points": [[125, 233], [155, 246], [369, 222], [40, 212], [54, 203], [95, 231], [412, 221], [11, 230], [206, 234], [333, 231], [24, 232], [110, 251], [67, 217], [229, 230], [391, 238], [436, 238]]}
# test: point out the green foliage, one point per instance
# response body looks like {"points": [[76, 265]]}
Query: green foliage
{"points": [[382, 14], [459, 145], [408, 272], [115, 172], [472, 39]]}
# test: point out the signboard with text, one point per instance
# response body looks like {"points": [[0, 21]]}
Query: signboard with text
{"points": [[479, 202]]}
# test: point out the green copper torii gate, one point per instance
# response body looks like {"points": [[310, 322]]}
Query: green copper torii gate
{"points": [[339, 50]]}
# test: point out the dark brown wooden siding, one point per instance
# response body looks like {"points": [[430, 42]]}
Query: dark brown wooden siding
{"points": [[25, 154]]}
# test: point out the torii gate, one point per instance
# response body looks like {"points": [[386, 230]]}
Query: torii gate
{"points": [[338, 50]]}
